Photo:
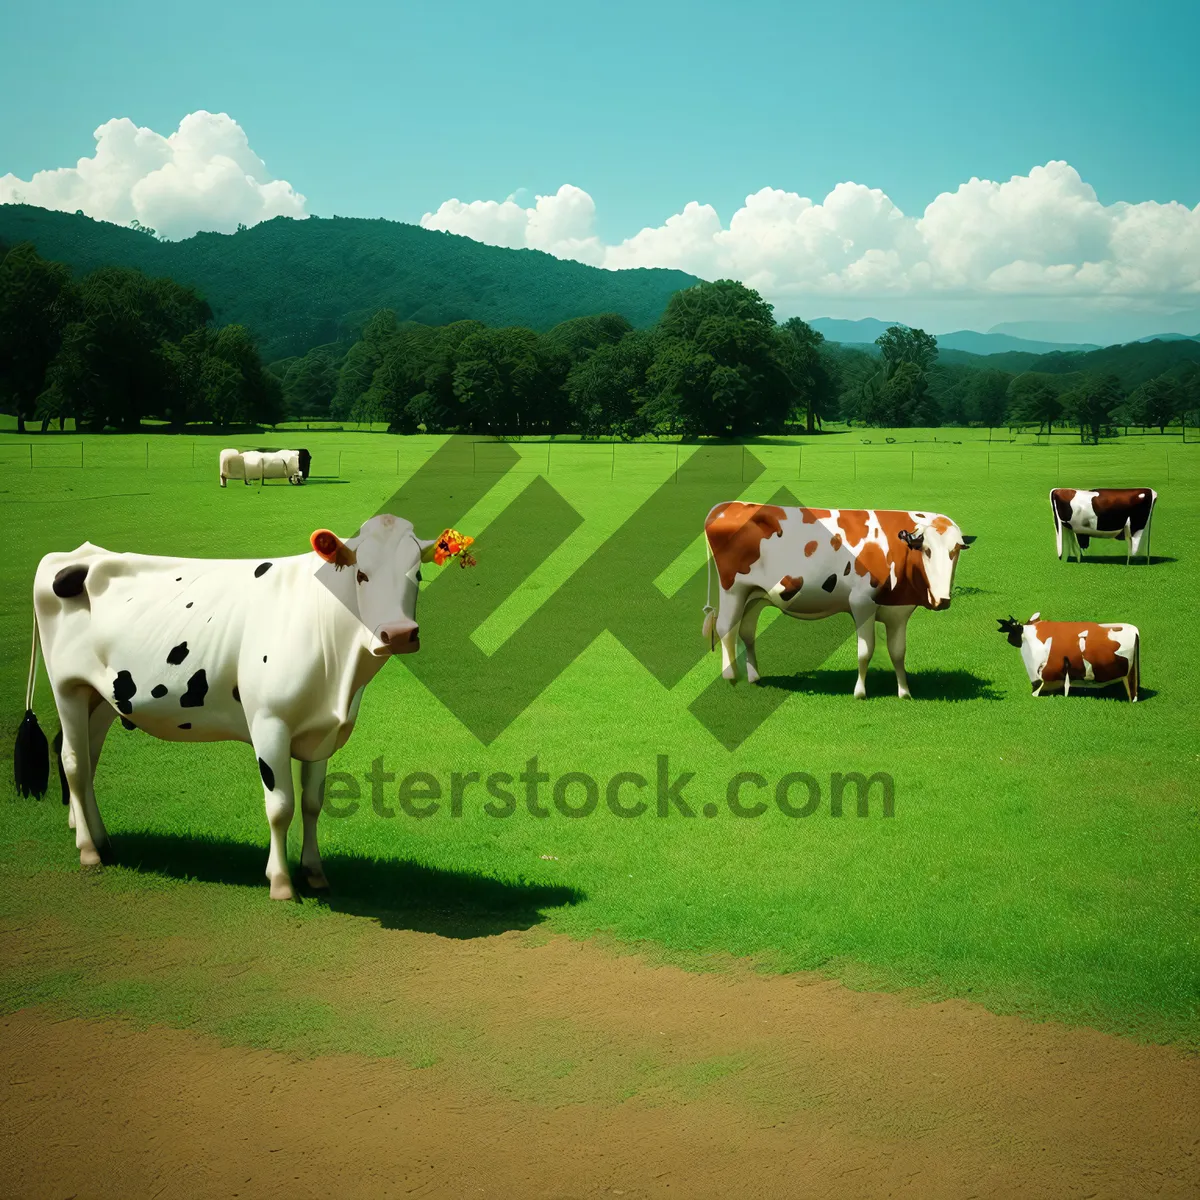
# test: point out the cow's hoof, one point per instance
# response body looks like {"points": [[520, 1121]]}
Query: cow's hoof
{"points": [[904, 695], [316, 880], [89, 856], [751, 675], [281, 888], [860, 693]]}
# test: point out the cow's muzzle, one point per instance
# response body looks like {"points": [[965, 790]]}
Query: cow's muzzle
{"points": [[400, 637]]}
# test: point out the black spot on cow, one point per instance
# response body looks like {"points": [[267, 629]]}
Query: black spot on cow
{"points": [[305, 462], [178, 654], [830, 583], [186, 725], [189, 604], [264, 658], [261, 570], [124, 690], [158, 691], [128, 723], [197, 689], [268, 776], [236, 694], [847, 570], [69, 581], [178, 578]]}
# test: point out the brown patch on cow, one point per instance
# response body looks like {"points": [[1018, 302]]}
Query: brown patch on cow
{"points": [[1114, 506], [912, 584], [1065, 656], [854, 523], [872, 561], [810, 516], [790, 585], [810, 549], [941, 524], [835, 543], [735, 532], [1061, 499]]}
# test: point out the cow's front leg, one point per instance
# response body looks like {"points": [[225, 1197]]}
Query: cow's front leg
{"points": [[729, 619], [272, 744], [312, 796], [864, 623], [895, 621], [748, 631]]}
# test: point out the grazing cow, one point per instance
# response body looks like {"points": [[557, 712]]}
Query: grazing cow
{"points": [[875, 564], [1060, 655], [274, 652], [1121, 513], [251, 465]]}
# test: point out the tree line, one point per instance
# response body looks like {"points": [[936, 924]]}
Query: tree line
{"points": [[115, 347]]}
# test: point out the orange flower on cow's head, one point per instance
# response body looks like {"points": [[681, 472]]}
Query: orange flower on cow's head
{"points": [[453, 543]]}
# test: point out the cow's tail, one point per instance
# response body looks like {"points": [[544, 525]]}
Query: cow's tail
{"points": [[709, 628], [1058, 533], [31, 755]]}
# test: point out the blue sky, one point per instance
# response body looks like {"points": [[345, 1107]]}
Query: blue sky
{"points": [[388, 110]]}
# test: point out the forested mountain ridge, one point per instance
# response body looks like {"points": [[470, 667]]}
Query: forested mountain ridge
{"points": [[298, 284]]}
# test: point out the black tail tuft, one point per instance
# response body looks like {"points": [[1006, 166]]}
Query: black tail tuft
{"points": [[31, 758]]}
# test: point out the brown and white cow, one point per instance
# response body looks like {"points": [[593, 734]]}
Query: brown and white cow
{"points": [[1120, 513], [875, 564], [1060, 655]]}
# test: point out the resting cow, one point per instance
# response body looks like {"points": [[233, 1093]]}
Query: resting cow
{"points": [[875, 564], [252, 465], [274, 652], [1121, 513], [1061, 655]]}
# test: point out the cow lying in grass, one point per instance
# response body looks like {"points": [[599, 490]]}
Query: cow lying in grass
{"points": [[875, 564], [1061, 655], [257, 465], [275, 652]]}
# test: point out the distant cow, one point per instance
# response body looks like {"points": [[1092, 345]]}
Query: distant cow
{"points": [[875, 564], [275, 652], [251, 465], [1060, 655], [1120, 513]]}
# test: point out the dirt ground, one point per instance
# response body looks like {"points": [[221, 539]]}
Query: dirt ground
{"points": [[744, 1085]]}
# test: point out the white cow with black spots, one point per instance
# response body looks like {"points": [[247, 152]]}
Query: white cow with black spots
{"points": [[274, 652], [257, 465]]}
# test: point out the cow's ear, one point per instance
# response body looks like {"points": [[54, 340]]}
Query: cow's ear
{"points": [[332, 549]]}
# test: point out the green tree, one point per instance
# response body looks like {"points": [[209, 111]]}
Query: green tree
{"points": [[1092, 403], [606, 390], [37, 303], [310, 384], [1156, 402], [902, 345], [799, 355], [500, 379], [1033, 398], [989, 395]]}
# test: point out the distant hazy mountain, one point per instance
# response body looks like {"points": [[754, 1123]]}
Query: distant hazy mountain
{"points": [[298, 284], [1117, 329], [868, 329]]}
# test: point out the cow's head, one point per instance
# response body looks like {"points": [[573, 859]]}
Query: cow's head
{"points": [[1013, 630], [939, 541], [386, 557]]}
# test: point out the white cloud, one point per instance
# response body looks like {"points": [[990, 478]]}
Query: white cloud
{"points": [[1042, 234], [202, 176]]}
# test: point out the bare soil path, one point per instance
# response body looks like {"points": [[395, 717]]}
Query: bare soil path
{"points": [[584, 1073]]}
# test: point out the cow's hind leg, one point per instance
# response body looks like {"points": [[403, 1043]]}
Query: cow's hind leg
{"points": [[99, 723], [312, 796], [748, 630], [729, 620], [895, 621], [272, 743], [74, 717]]}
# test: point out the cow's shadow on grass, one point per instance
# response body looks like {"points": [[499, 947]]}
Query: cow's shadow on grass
{"points": [[1119, 559], [396, 893], [924, 685]]}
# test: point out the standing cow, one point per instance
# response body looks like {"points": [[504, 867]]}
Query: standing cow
{"points": [[1121, 513], [875, 564], [274, 652], [251, 465], [1060, 655]]}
